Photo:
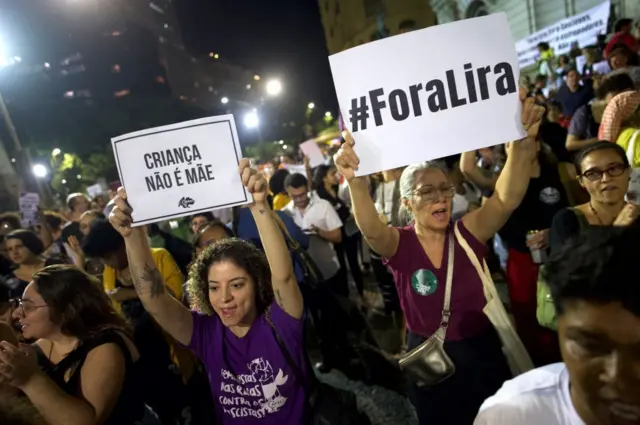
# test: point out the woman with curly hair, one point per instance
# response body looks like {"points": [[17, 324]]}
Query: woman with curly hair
{"points": [[242, 331]]}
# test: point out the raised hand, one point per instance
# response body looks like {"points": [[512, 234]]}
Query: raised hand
{"points": [[531, 118], [120, 216], [254, 181], [628, 215], [346, 160], [531, 114]]}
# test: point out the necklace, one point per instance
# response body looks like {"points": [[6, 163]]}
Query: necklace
{"points": [[593, 210]]}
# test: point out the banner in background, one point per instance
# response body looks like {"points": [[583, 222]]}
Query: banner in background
{"points": [[404, 107], [29, 203], [583, 28], [181, 169]]}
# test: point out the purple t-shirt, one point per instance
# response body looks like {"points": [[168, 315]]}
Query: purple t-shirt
{"points": [[421, 287], [250, 379]]}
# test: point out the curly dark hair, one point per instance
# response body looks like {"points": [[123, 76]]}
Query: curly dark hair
{"points": [[77, 302], [241, 253], [598, 266]]}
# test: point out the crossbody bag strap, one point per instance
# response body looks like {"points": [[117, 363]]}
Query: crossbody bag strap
{"points": [[287, 355], [291, 243], [446, 308]]}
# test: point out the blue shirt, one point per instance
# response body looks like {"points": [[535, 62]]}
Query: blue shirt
{"points": [[247, 230]]}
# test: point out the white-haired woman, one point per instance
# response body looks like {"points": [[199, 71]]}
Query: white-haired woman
{"points": [[418, 257]]}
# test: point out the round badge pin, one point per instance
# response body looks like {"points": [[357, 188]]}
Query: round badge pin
{"points": [[424, 282]]}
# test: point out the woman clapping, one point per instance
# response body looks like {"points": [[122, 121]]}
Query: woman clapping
{"points": [[81, 370]]}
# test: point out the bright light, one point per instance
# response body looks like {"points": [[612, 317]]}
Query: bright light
{"points": [[327, 114], [56, 152], [64, 181], [281, 142], [3, 52], [13, 160], [224, 100], [248, 86], [251, 119], [311, 105], [78, 176], [211, 54], [274, 87], [256, 77], [47, 65], [285, 147], [40, 171], [216, 56]]}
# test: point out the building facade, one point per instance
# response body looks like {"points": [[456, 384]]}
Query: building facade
{"points": [[91, 60], [352, 23], [528, 16]]}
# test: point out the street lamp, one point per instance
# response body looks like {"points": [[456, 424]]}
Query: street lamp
{"points": [[56, 152], [311, 105], [327, 114], [274, 87], [39, 170], [251, 119], [224, 100]]}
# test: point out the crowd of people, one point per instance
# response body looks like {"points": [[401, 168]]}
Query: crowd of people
{"points": [[105, 323]]}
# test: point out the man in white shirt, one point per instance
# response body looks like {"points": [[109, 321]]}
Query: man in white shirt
{"points": [[595, 289], [316, 217]]}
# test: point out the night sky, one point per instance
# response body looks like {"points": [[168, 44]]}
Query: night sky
{"points": [[282, 39]]}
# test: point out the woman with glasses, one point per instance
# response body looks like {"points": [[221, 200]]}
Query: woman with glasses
{"points": [[82, 367], [418, 255], [604, 172]]}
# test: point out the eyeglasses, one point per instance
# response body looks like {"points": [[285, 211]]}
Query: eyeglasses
{"points": [[26, 307], [614, 171], [433, 194]]}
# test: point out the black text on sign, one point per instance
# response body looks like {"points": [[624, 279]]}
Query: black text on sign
{"points": [[433, 96]]}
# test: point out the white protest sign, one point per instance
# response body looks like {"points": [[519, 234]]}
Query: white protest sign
{"points": [[403, 105], [583, 28], [295, 169], [29, 203], [95, 190], [181, 169], [312, 151]]}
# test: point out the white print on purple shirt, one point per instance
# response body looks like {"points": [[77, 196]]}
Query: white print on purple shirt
{"points": [[244, 398]]}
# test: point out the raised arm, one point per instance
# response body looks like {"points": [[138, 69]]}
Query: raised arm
{"points": [[382, 238], [170, 314], [283, 279], [512, 184]]}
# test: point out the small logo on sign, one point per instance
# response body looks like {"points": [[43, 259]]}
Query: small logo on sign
{"points": [[186, 202], [424, 282]]}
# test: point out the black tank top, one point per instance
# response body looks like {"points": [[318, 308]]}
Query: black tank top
{"points": [[129, 408]]}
